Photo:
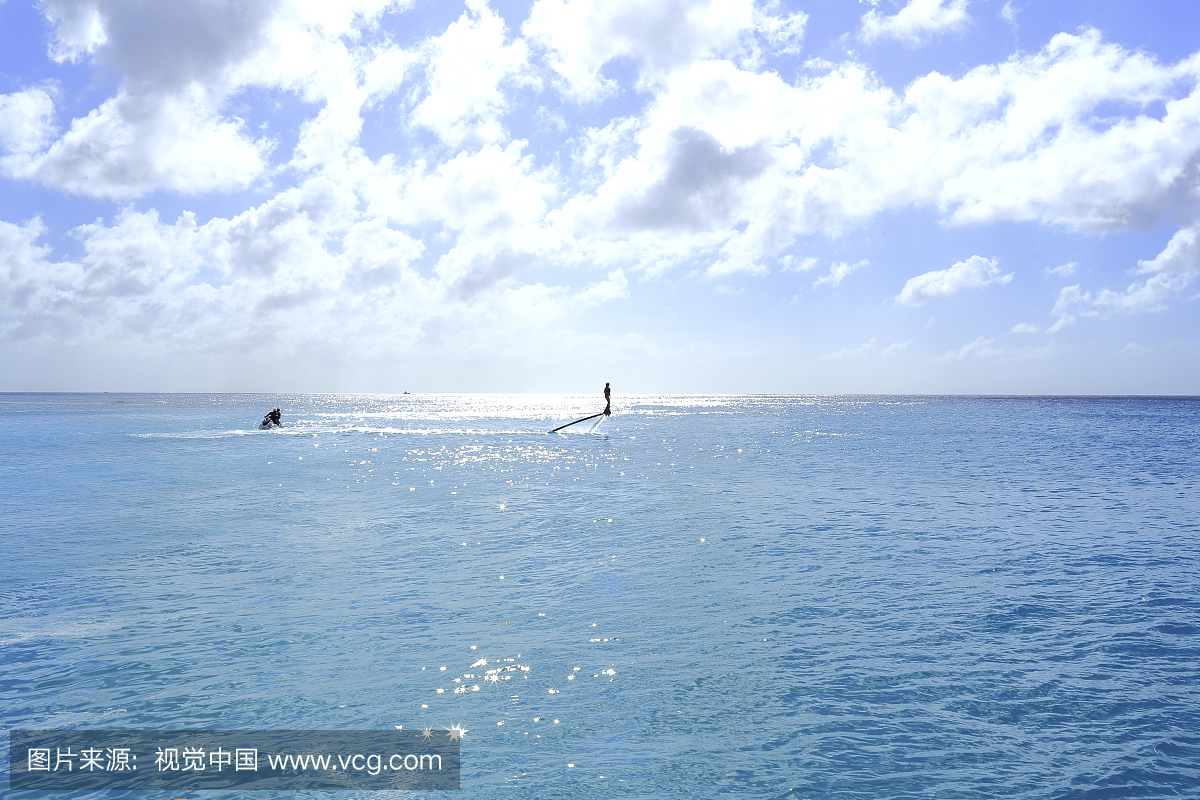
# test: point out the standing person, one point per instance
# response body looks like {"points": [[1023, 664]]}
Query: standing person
{"points": [[607, 400]]}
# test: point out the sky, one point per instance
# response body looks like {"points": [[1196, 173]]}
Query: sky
{"points": [[705, 196]]}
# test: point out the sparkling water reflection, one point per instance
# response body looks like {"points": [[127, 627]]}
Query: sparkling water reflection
{"points": [[841, 597]]}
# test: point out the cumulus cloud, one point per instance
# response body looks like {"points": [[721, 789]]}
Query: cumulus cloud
{"points": [[1063, 270], [423, 190], [974, 273], [296, 270], [377, 255], [793, 264], [697, 188], [1070, 300], [582, 36], [1026, 140], [30, 283], [782, 31], [487, 190], [164, 45], [1170, 273], [980, 347], [78, 29], [1142, 296], [614, 287], [180, 63], [1181, 256], [838, 272], [320, 262], [916, 23], [466, 66], [1041, 147], [26, 121], [133, 143], [265, 277]]}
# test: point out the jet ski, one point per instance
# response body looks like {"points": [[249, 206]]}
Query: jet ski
{"points": [[271, 420]]}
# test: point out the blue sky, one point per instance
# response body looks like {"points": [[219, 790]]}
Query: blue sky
{"points": [[896, 196]]}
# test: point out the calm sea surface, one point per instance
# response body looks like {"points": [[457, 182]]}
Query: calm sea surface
{"points": [[751, 596]]}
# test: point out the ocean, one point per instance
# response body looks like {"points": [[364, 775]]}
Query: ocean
{"points": [[747, 596]]}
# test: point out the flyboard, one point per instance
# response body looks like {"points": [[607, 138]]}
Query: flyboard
{"points": [[576, 422]]}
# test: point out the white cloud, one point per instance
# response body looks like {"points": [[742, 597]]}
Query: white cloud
{"points": [[26, 122], [602, 149], [895, 347], [1034, 144], [1071, 299], [705, 162], [78, 29], [30, 283], [838, 272], [613, 288], [852, 352], [1008, 13], [1149, 295], [582, 36], [304, 269], [180, 63], [133, 143], [467, 65], [974, 273], [916, 23], [1025, 327], [1026, 140], [343, 256], [1171, 272], [160, 45], [377, 255], [980, 346], [1181, 256], [793, 264], [680, 192], [490, 191], [1064, 270], [983, 348], [782, 31], [264, 277], [697, 186]]}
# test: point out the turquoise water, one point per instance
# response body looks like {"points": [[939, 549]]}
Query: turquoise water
{"points": [[792, 597]]}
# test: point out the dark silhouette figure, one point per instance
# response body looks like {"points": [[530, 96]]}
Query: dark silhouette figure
{"points": [[607, 400], [272, 419]]}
